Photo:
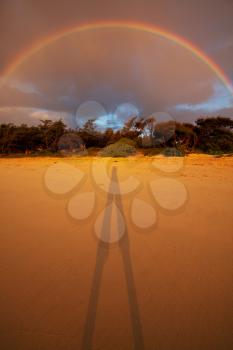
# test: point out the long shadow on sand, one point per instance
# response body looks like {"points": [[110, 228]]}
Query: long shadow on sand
{"points": [[101, 258]]}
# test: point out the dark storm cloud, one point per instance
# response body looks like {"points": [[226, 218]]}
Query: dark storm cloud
{"points": [[114, 67]]}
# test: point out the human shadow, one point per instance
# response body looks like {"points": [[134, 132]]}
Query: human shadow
{"points": [[101, 258]]}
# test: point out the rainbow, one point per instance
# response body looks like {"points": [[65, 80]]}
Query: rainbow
{"points": [[140, 26]]}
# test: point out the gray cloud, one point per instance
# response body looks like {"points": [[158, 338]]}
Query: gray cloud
{"points": [[32, 116], [116, 66]]}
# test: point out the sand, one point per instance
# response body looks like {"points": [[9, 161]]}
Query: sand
{"points": [[181, 267]]}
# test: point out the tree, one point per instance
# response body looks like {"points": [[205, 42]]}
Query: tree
{"points": [[185, 137], [133, 128], [7, 137], [207, 134], [51, 132], [215, 134]]}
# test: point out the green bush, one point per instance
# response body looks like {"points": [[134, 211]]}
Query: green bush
{"points": [[118, 149], [222, 143], [172, 152], [127, 141]]}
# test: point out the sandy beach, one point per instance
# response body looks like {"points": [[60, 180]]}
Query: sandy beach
{"points": [[181, 265]]}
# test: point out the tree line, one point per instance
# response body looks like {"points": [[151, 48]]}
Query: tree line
{"points": [[208, 135]]}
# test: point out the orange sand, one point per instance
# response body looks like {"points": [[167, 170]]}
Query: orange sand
{"points": [[182, 268]]}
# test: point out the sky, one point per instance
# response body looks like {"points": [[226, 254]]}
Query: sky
{"points": [[111, 74]]}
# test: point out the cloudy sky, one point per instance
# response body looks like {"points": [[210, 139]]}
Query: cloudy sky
{"points": [[126, 72]]}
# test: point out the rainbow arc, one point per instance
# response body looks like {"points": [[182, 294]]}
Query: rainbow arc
{"points": [[140, 26]]}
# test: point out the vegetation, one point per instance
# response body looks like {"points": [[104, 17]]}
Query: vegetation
{"points": [[214, 135], [172, 152], [209, 135], [118, 149]]}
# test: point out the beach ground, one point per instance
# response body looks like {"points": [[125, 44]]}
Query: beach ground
{"points": [[181, 267]]}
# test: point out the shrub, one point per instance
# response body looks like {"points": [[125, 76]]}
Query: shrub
{"points": [[172, 152], [220, 144], [127, 141], [70, 144], [118, 149]]}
